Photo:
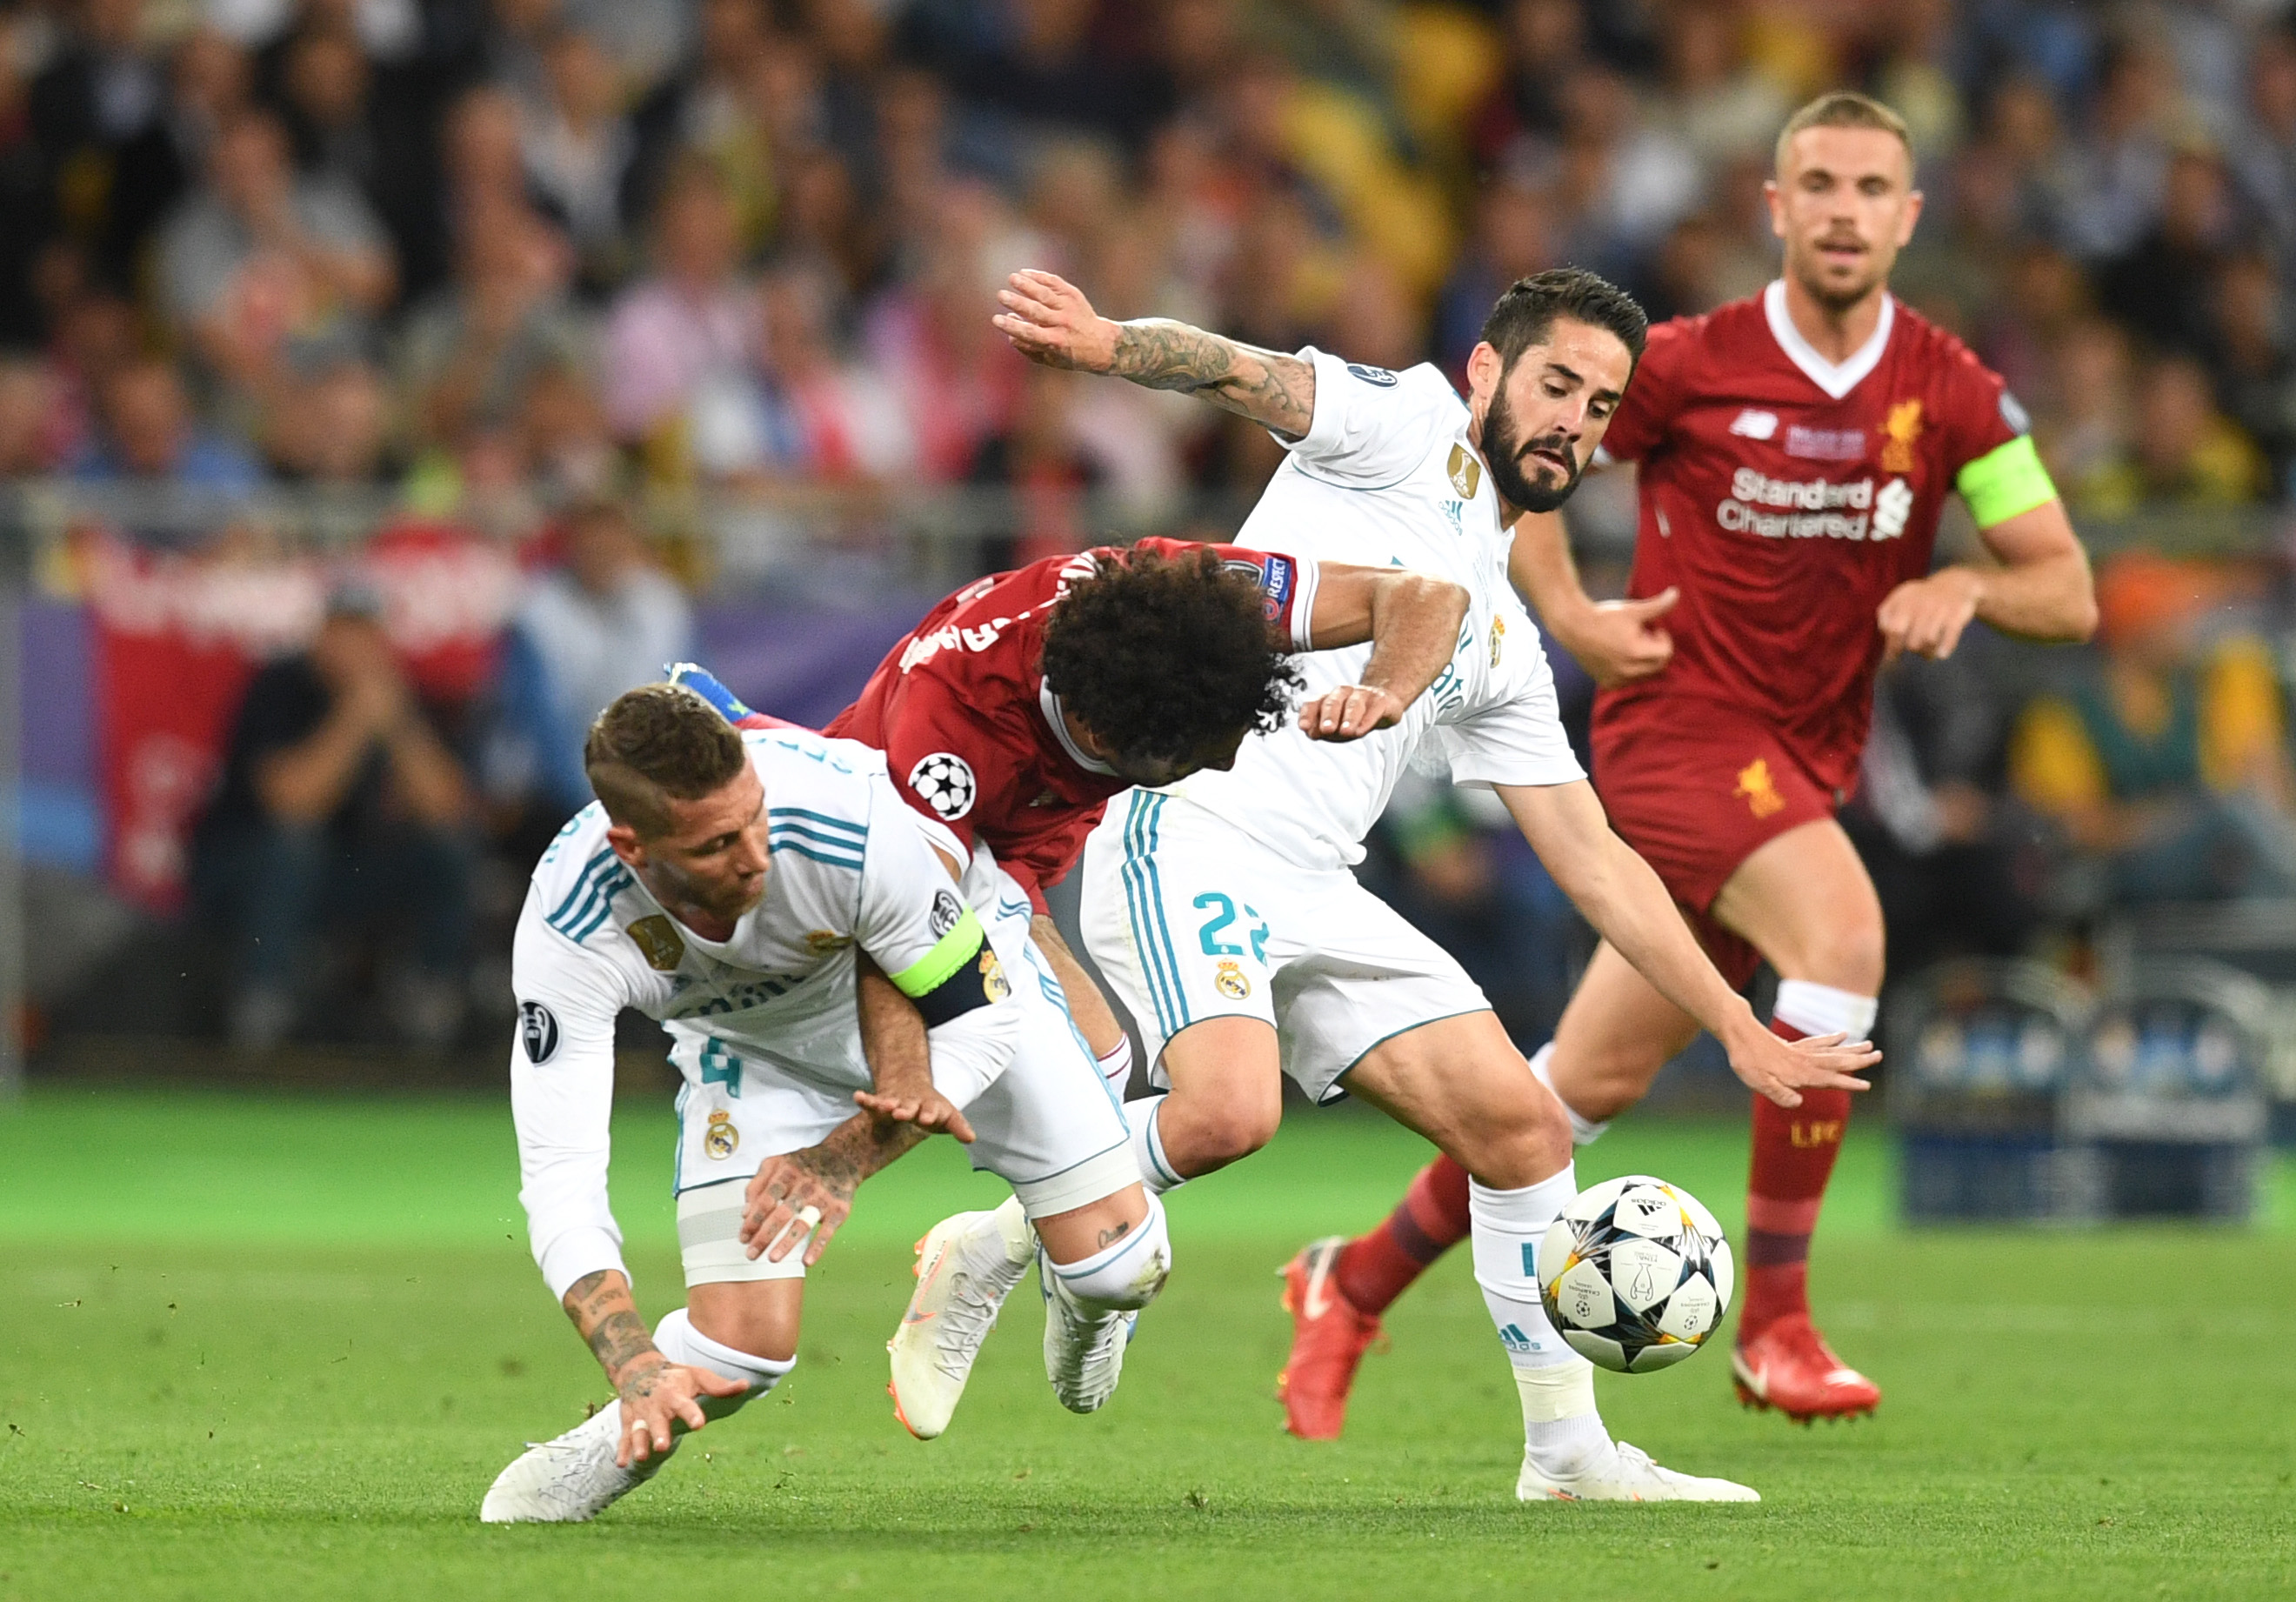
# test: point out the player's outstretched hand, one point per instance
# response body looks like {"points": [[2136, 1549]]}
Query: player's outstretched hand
{"points": [[791, 1194], [1623, 641], [1926, 616], [1781, 1069], [928, 1109], [1350, 712], [657, 1396], [1050, 321]]}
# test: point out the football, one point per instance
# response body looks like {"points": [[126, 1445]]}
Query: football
{"points": [[1635, 1274]]}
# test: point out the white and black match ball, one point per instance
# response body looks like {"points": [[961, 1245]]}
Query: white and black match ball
{"points": [[1635, 1274], [944, 782]]}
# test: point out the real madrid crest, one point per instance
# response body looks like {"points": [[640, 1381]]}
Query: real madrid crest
{"points": [[1498, 638], [993, 983], [721, 1137], [1230, 981]]}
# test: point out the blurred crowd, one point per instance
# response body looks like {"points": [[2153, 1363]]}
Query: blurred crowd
{"points": [[491, 258]]}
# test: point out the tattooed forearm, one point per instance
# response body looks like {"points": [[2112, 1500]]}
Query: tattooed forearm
{"points": [[857, 1148], [1267, 386], [601, 1307]]}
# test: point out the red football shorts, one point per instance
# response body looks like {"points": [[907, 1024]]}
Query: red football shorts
{"points": [[1696, 787]]}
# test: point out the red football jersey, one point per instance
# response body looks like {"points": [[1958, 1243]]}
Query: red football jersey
{"points": [[1786, 496], [973, 738]]}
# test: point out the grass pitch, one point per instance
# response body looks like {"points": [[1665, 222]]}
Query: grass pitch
{"points": [[271, 1348]]}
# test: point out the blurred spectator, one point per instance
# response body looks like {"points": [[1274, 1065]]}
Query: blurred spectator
{"points": [[149, 436], [339, 808], [579, 146], [606, 621], [1623, 183], [1714, 100], [268, 272], [96, 333], [2167, 764], [25, 448], [361, 129], [681, 339], [468, 352], [2160, 290], [333, 433], [2118, 168], [2182, 451], [1547, 43], [1511, 239], [97, 120], [2265, 155], [2089, 416], [2255, 366]]}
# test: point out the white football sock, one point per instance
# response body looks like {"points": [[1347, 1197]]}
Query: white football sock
{"points": [[1156, 1171], [1584, 1132], [1562, 1433], [1125, 1277], [1116, 1067], [681, 1342]]}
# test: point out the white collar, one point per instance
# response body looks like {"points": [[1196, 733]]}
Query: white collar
{"points": [[1835, 381], [1050, 704]]}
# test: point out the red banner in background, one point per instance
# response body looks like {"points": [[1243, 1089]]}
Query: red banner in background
{"points": [[177, 637]]}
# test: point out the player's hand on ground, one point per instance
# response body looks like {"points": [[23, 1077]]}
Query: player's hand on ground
{"points": [[1049, 321], [1780, 1070], [792, 1194], [1926, 616], [1350, 712], [1619, 642], [657, 1394], [928, 1109]]}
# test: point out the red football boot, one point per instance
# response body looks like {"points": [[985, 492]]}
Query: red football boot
{"points": [[1328, 1339], [1788, 1365]]}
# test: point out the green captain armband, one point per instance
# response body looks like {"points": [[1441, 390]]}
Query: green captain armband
{"points": [[2007, 479], [960, 973]]}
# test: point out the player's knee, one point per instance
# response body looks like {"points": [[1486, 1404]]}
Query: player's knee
{"points": [[1517, 1145], [1218, 1125], [1126, 1274]]}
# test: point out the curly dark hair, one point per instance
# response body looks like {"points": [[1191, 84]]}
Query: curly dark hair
{"points": [[1163, 657], [658, 740]]}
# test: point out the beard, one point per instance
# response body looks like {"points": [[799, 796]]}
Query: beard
{"points": [[1505, 454]]}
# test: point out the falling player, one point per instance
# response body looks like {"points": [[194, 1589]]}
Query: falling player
{"points": [[1795, 451], [752, 892], [1020, 704], [1221, 906]]}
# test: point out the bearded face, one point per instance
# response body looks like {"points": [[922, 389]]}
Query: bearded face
{"points": [[1534, 474]]}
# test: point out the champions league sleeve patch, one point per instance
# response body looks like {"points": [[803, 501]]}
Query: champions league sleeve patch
{"points": [[538, 1031]]}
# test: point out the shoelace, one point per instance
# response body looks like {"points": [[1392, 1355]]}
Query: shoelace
{"points": [[965, 1324]]}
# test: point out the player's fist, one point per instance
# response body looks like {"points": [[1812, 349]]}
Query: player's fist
{"points": [[1926, 616], [1350, 712], [1619, 642], [1050, 321], [1780, 1070]]}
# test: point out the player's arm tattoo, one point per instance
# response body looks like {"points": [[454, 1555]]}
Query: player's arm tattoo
{"points": [[1273, 389], [601, 1307]]}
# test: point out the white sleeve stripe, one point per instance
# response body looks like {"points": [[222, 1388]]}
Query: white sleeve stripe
{"points": [[1308, 578]]}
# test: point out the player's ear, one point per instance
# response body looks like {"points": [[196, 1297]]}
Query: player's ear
{"points": [[1775, 197], [1913, 215], [626, 844], [1484, 366]]}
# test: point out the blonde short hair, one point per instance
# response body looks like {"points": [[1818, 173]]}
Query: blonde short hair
{"points": [[1844, 109]]}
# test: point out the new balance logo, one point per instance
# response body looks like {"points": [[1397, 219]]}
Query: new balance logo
{"points": [[1752, 424]]}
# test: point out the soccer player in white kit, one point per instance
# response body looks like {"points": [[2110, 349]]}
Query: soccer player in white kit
{"points": [[1222, 908], [770, 898]]}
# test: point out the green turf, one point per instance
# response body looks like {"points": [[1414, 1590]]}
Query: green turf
{"points": [[271, 1348]]}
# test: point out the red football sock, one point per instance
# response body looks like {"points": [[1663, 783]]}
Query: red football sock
{"points": [[1376, 1268], [1795, 1149]]}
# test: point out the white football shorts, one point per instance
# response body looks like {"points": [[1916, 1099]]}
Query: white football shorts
{"points": [[1190, 918], [1049, 1126]]}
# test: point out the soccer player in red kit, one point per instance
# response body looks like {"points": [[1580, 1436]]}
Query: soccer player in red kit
{"points": [[1795, 450]]}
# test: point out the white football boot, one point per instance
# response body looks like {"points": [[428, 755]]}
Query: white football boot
{"points": [[1084, 1351], [966, 1266], [570, 1479], [1627, 1474]]}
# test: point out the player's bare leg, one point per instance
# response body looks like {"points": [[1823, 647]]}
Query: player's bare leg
{"points": [[1460, 1082], [744, 1333], [1804, 900], [1615, 1035], [1097, 1266]]}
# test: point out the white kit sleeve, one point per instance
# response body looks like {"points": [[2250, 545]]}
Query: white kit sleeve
{"points": [[1514, 734], [562, 1096], [1372, 428]]}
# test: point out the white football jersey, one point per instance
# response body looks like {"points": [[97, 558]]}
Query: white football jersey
{"points": [[1386, 478], [850, 868]]}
